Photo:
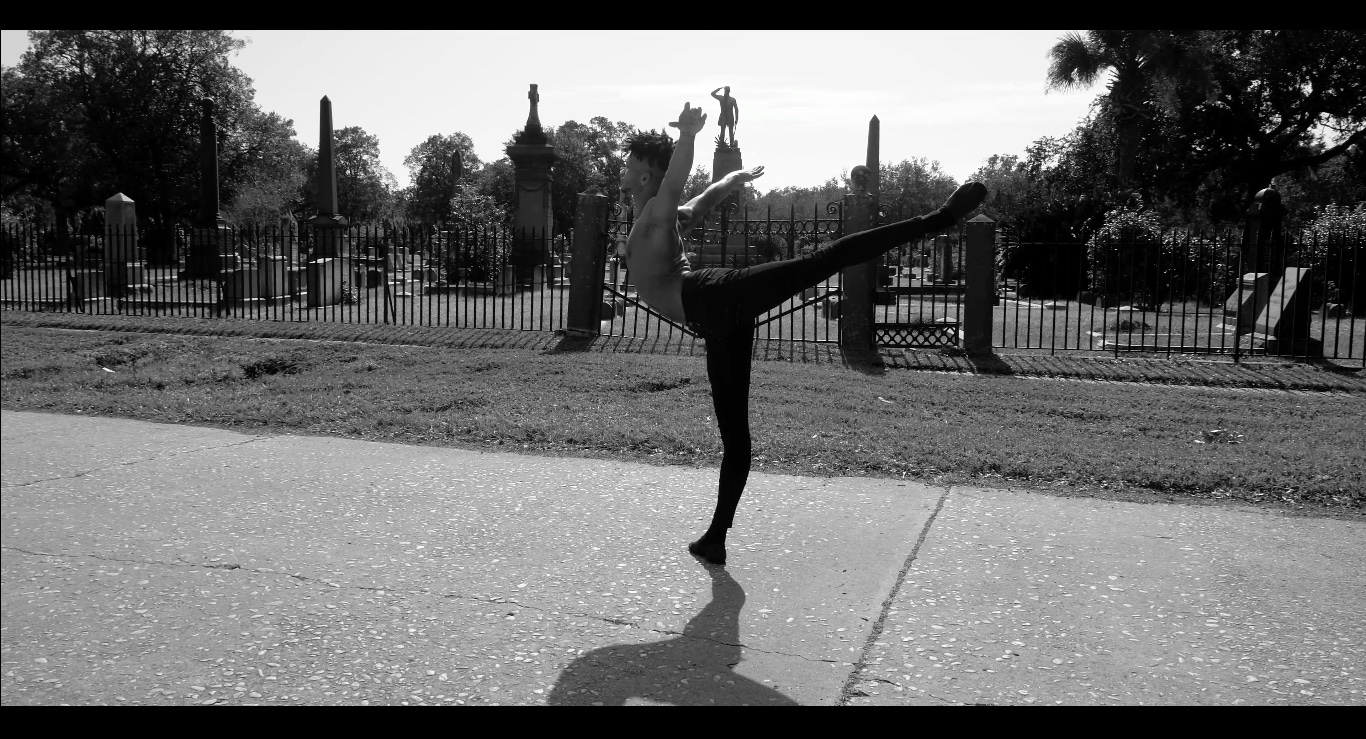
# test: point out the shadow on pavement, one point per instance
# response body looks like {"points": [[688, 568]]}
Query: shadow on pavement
{"points": [[693, 669]]}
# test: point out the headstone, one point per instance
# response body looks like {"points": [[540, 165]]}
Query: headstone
{"points": [[241, 285], [1248, 300], [273, 274], [1284, 321], [121, 230], [323, 281], [122, 255]]}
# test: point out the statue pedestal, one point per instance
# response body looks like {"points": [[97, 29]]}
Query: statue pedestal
{"points": [[723, 162]]}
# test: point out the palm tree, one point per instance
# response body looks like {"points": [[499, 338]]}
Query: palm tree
{"points": [[1145, 66]]}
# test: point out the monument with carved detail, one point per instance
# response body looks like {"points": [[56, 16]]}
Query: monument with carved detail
{"points": [[533, 160]]}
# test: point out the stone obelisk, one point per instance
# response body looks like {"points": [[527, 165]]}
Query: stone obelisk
{"points": [[533, 159], [327, 268], [211, 240]]}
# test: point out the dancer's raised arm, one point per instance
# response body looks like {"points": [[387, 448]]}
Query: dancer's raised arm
{"points": [[689, 123]]}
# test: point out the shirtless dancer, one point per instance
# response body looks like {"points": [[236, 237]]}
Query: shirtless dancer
{"points": [[721, 304]]}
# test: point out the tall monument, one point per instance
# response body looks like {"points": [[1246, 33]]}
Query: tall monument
{"points": [[533, 160], [211, 239], [327, 267]]}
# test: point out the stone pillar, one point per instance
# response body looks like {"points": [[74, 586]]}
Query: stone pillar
{"points": [[328, 263], [873, 163], [1263, 231], [210, 240], [981, 285], [943, 260], [587, 266], [533, 160], [858, 283], [123, 257]]}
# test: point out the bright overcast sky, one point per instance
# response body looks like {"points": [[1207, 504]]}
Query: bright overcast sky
{"points": [[805, 97]]}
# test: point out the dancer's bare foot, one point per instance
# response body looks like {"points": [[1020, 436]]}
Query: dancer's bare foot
{"points": [[965, 199], [709, 550]]}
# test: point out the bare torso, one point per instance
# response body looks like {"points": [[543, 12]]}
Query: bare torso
{"points": [[654, 256]]}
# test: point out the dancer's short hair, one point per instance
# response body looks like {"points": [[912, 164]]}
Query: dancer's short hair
{"points": [[652, 147]]}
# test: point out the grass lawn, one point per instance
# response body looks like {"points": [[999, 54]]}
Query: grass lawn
{"points": [[1300, 451]]}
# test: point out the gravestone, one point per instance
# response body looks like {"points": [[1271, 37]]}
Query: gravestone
{"points": [[123, 257], [1248, 300], [1283, 323]]}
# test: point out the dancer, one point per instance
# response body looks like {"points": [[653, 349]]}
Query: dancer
{"points": [[720, 304]]}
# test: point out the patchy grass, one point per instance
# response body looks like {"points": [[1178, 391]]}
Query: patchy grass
{"points": [[1295, 450]]}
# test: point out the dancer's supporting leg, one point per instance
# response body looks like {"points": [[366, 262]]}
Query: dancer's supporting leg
{"points": [[725, 304], [728, 368]]}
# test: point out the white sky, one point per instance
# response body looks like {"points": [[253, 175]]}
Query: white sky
{"points": [[805, 97]]}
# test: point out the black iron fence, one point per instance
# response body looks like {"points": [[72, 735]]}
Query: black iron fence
{"points": [[460, 276], [1174, 293], [1184, 293]]}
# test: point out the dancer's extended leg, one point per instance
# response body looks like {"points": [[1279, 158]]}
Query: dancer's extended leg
{"points": [[724, 303]]}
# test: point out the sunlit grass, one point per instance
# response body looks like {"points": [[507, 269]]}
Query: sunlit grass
{"points": [[1301, 450]]}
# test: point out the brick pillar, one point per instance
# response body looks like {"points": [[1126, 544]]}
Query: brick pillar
{"points": [[981, 285], [586, 266], [859, 282]]}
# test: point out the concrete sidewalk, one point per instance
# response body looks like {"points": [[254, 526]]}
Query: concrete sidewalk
{"points": [[158, 564]]}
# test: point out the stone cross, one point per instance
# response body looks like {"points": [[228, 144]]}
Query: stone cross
{"points": [[533, 120]]}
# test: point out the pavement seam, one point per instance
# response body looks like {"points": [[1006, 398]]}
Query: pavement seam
{"points": [[847, 691], [453, 596], [83, 473]]}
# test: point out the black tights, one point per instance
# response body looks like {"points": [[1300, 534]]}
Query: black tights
{"points": [[721, 305]]}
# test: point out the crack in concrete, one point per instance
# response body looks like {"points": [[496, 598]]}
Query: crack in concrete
{"points": [[83, 473], [861, 663], [452, 596]]}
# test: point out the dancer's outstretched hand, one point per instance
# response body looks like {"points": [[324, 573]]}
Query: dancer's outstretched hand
{"points": [[691, 120], [751, 175]]}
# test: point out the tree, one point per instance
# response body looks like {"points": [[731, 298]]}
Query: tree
{"points": [[265, 171], [498, 181], [365, 188], [429, 169], [43, 149], [1145, 67], [697, 183], [913, 187], [587, 156], [1286, 100]]}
